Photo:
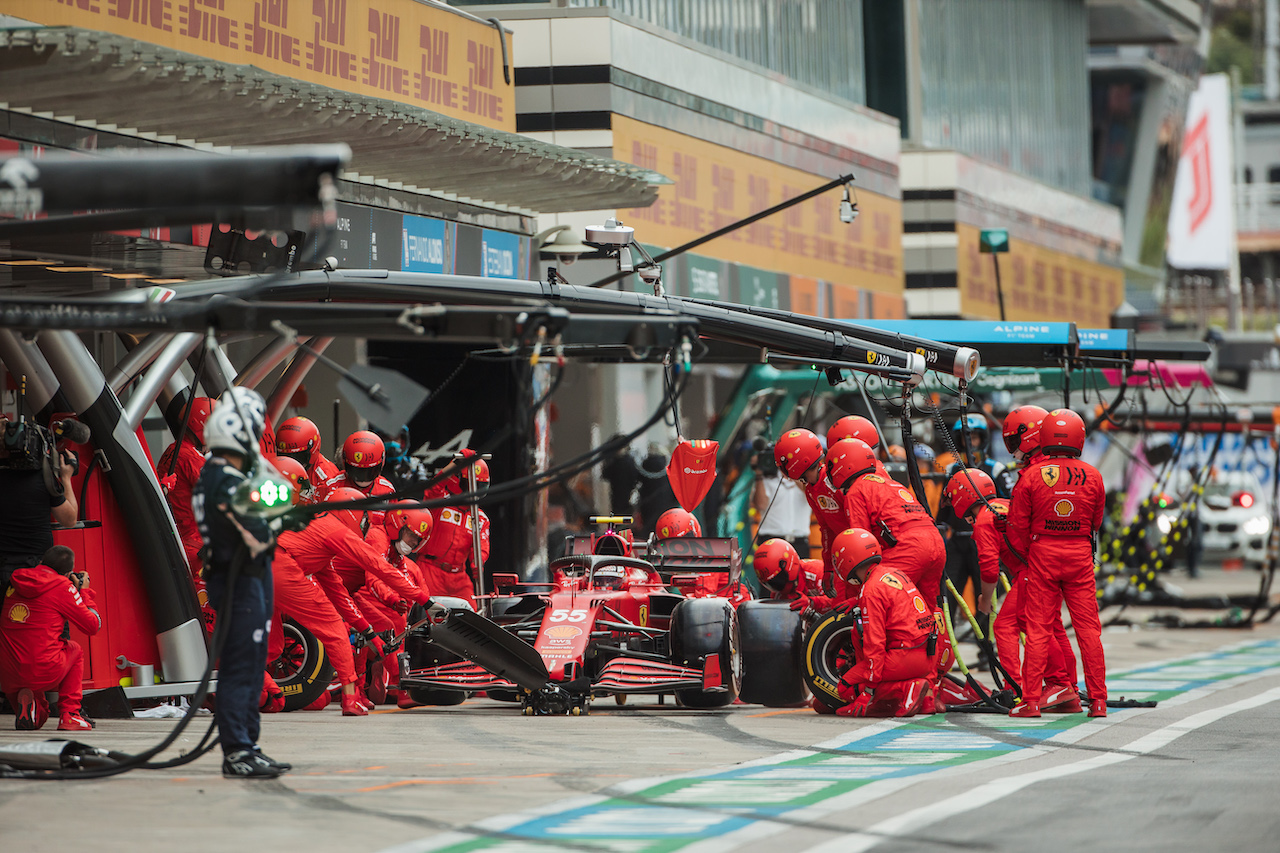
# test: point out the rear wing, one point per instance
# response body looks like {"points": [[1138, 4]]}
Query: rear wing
{"points": [[689, 555]]}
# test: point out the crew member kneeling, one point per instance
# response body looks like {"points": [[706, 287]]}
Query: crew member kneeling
{"points": [[33, 656], [897, 659]]}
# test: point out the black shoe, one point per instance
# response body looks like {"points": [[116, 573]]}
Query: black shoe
{"points": [[247, 764], [282, 766]]}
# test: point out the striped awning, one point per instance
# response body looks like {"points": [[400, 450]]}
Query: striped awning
{"points": [[110, 82]]}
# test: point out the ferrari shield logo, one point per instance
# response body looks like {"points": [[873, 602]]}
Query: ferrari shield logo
{"points": [[1049, 474]]}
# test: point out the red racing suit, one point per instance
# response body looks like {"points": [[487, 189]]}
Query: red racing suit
{"points": [[177, 492], [1010, 623], [321, 470], [1056, 509], [308, 589], [912, 543], [828, 508], [448, 554], [32, 652], [896, 624], [380, 588], [380, 486]]}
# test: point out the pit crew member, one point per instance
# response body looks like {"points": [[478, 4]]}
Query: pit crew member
{"points": [[988, 519], [448, 557], [299, 439], [897, 656], [1056, 510]]}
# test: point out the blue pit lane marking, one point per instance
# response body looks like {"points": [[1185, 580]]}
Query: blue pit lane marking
{"points": [[721, 809]]}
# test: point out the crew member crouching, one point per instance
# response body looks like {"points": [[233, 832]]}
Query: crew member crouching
{"points": [[897, 658], [786, 577], [33, 656]]}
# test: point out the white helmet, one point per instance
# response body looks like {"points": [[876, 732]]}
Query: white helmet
{"points": [[226, 429], [251, 403]]}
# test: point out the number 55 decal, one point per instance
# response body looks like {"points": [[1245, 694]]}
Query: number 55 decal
{"points": [[568, 616]]}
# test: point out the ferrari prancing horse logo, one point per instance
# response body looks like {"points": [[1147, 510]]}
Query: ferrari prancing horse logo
{"points": [[1049, 474]]}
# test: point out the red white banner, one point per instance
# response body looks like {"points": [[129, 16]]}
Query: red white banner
{"points": [[1202, 218]]}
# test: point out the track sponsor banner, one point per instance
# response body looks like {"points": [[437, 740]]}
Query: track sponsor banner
{"points": [[715, 186], [1039, 284], [420, 54], [1202, 218]]}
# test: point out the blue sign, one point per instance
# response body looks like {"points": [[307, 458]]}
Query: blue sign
{"points": [[972, 332], [423, 244], [1108, 340], [500, 254]]}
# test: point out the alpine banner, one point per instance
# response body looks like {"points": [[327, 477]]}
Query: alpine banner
{"points": [[1202, 218]]}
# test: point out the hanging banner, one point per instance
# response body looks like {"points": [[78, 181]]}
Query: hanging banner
{"points": [[1202, 220], [692, 470]]}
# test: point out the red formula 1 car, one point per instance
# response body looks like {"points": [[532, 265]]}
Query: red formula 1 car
{"points": [[604, 625]]}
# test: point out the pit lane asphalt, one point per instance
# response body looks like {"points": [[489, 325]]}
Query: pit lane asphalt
{"points": [[446, 778]]}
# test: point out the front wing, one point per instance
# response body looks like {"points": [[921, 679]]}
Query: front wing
{"points": [[620, 675]]}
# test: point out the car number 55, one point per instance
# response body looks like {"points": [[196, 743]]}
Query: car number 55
{"points": [[568, 616]]}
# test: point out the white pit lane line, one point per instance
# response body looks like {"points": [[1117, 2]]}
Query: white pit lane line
{"points": [[991, 792], [762, 826]]}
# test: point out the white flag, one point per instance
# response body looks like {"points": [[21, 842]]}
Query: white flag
{"points": [[1202, 218]]}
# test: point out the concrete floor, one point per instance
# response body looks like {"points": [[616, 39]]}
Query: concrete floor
{"points": [[480, 776]]}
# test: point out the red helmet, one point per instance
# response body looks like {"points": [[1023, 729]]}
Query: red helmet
{"points": [[362, 457], [854, 426], [1022, 431], [303, 491], [797, 452], [776, 564], [416, 521], [200, 409], [853, 549], [460, 482], [298, 439], [675, 523], [847, 459], [356, 519], [1062, 433], [965, 487]]}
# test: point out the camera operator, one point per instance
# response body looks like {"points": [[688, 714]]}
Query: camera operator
{"points": [[33, 656], [27, 504]]}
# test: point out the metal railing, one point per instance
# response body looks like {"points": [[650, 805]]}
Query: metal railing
{"points": [[1257, 208]]}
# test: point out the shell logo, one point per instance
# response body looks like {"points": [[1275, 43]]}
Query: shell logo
{"points": [[906, 496], [916, 600], [1064, 508], [564, 632], [19, 613]]}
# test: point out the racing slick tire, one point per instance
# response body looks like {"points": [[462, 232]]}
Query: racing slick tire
{"points": [[701, 627], [829, 650], [423, 653], [772, 637], [302, 670]]}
